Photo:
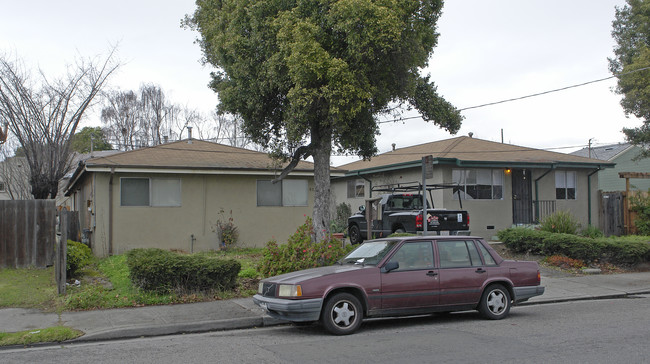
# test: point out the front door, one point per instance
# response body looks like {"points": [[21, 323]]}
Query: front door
{"points": [[522, 197]]}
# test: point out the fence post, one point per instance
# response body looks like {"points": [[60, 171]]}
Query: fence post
{"points": [[61, 252]]}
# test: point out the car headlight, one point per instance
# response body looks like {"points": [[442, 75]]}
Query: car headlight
{"points": [[290, 290], [260, 288]]}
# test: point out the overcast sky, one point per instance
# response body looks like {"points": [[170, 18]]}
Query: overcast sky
{"points": [[488, 51]]}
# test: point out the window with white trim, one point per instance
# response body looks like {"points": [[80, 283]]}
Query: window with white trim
{"points": [[478, 184], [288, 192], [356, 188], [565, 185], [156, 192]]}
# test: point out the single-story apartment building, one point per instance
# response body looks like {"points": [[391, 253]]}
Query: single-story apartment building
{"points": [[171, 195], [500, 185]]}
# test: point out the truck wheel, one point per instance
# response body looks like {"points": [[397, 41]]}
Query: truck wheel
{"points": [[355, 235]]}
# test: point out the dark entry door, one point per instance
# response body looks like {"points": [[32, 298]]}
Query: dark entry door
{"points": [[522, 199]]}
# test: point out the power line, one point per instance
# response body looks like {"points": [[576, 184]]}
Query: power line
{"points": [[527, 96]]}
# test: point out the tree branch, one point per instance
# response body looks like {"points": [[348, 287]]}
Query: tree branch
{"points": [[300, 153]]}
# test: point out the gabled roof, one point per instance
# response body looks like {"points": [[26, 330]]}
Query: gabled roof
{"points": [[195, 155], [605, 152], [472, 152], [190, 156]]}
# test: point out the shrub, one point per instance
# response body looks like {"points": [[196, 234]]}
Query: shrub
{"points": [[591, 232], [625, 250], [300, 253], [640, 203], [78, 256], [163, 271], [523, 240], [340, 222], [226, 230], [560, 222]]}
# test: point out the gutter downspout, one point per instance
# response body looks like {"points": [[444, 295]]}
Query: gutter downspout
{"points": [[589, 194], [537, 190], [110, 212]]}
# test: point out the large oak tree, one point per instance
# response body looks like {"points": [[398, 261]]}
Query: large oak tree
{"points": [[311, 76], [631, 30]]}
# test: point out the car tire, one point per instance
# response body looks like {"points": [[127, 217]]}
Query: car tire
{"points": [[495, 302], [355, 235], [342, 314]]}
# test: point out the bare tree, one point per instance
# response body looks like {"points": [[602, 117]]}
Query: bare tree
{"points": [[44, 117], [119, 114]]}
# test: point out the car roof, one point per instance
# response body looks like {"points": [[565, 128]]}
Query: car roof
{"points": [[436, 237]]}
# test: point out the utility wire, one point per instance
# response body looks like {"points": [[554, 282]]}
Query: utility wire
{"points": [[527, 96]]}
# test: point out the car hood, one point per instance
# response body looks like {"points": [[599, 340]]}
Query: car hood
{"points": [[303, 275]]}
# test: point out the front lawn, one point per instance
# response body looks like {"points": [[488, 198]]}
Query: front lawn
{"points": [[106, 284]]}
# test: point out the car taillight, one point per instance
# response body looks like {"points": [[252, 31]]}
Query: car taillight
{"points": [[418, 221], [539, 277]]}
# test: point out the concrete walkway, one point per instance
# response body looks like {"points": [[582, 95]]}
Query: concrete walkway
{"points": [[242, 313]]}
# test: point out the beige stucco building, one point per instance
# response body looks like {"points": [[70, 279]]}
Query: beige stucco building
{"points": [[170, 196], [500, 185]]}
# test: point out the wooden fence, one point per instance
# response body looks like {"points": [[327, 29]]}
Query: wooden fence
{"points": [[28, 232], [611, 213]]}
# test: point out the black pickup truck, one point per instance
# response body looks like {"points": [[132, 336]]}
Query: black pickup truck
{"points": [[400, 211]]}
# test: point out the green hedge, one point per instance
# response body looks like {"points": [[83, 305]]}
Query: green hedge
{"points": [[614, 250], [78, 255], [163, 271]]}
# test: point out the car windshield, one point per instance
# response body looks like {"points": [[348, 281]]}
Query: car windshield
{"points": [[369, 253]]}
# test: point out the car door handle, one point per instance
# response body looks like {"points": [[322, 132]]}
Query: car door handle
{"points": [[480, 270], [432, 273]]}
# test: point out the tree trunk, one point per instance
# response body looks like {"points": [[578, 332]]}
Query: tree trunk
{"points": [[322, 193]]}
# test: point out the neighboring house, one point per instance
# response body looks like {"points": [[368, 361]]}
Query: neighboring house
{"points": [[501, 185], [14, 179], [63, 201], [622, 154], [171, 195]]}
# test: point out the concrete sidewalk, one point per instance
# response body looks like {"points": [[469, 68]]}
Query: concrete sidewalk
{"points": [[242, 313]]}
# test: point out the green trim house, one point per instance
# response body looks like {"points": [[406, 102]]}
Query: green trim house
{"points": [[500, 185], [623, 154]]}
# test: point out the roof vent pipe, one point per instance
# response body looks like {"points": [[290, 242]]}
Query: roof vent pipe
{"points": [[471, 134], [393, 146], [189, 135]]}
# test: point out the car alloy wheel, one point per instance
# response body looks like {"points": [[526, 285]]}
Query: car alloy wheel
{"points": [[342, 314], [495, 302]]}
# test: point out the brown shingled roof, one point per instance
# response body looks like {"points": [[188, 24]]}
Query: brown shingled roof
{"points": [[198, 155], [468, 149]]}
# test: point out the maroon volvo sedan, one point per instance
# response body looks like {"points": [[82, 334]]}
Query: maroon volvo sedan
{"points": [[402, 276]]}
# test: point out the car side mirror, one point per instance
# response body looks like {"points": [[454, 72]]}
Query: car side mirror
{"points": [[362, 208], [390, 266]]}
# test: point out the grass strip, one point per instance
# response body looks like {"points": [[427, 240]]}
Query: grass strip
{"points": [[54, 334]]}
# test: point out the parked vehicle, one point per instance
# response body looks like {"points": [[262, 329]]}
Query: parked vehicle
{"points": [[402, 276], [401, 211]]}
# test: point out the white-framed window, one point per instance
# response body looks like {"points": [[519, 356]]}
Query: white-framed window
{"points": [[356, 188], [478, 184], [565, 185], [288, 192], [156, 192]]}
